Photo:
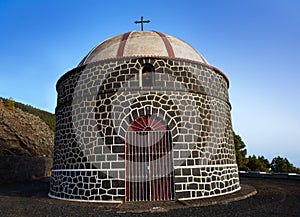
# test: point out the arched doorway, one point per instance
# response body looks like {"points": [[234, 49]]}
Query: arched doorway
{"points": [[149, 160]]}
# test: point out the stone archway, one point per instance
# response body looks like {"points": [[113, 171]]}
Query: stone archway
{"points": [[149, 160]]}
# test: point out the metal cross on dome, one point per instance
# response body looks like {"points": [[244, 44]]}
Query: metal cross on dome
{"points": [[142, 21]]}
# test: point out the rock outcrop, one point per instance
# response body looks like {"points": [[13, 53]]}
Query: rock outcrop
{"points": [[24, 134]]}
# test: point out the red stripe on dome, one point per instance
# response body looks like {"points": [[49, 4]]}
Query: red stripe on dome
{"points": [[122, 44], [167, 44]]}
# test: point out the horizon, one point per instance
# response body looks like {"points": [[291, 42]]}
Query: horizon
{"points": [[255, 43]]}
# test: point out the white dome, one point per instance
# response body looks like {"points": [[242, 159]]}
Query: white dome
{"points": [[142, 44]]}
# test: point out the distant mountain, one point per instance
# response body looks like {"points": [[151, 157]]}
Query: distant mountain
{"points": [[25, 130]]}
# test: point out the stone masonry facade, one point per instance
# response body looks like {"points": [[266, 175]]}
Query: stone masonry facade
{"points": [[98, 102]]}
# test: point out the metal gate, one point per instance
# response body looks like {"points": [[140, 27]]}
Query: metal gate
{"points": [[149, 166]]}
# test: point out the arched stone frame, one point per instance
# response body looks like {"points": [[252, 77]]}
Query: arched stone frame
{"points": [[149, 109]]}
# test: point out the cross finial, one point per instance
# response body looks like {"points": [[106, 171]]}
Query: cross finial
{"points": [[142, 21]]}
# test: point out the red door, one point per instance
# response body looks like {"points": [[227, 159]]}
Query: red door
{"points": [[149, 160]]}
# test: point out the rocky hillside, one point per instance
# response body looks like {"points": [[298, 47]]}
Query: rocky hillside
{"points": [[22, 133], [47, 117]]}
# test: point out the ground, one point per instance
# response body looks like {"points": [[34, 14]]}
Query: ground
{"points": [[275, 197]]}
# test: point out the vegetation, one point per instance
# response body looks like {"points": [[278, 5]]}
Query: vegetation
{"points": [[240, 153], [260, 163], [280, 164], [47, 117], [10, 104]]}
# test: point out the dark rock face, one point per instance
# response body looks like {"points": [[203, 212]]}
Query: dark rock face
{"points": [[24, 134], [23, 168]]}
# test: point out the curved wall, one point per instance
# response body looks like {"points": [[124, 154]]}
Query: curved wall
{"points": [[97, 103]]}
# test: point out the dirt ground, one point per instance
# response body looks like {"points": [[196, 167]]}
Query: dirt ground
{"points": [[275, 197]]}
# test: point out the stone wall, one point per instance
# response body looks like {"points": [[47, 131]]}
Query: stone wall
{"points": [[98, 102], [22, 168]]}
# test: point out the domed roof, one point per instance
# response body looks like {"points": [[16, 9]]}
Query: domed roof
{"points": [[142, 44]]}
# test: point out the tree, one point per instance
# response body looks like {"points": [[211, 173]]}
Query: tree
{"points": [[265, 163], [282, 165], [240, 152], [258, 164]]}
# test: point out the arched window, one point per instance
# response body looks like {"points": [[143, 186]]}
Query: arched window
{"points": [[147, 78]]}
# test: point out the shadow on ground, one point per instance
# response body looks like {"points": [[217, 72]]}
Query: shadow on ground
{"points": [[275, 197]]}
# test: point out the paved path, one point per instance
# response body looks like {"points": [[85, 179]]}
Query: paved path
{"points": [[275, 197]]}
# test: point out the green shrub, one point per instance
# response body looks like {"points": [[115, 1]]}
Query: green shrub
{"points": [[10, 104]]}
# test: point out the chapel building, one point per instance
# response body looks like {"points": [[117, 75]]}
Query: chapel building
{"points": [[143, 117]]}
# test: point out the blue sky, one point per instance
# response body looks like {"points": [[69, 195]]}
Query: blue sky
{"points": [[256, 43]]}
